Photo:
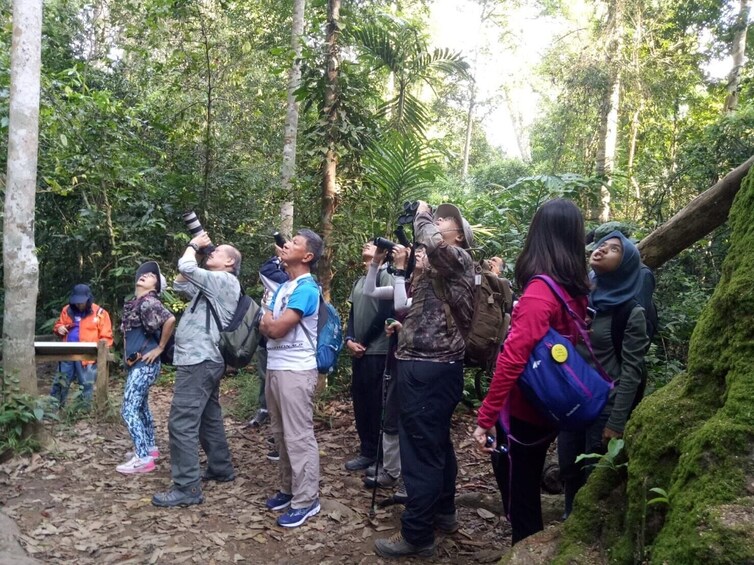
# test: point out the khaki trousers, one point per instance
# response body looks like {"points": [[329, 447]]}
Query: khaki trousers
{"points": [[290, 402]]}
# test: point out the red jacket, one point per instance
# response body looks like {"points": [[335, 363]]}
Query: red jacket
{"points": [[536, 311], [93, 327]]}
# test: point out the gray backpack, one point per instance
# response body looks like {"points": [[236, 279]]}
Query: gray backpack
{"points": [[240, 338]]}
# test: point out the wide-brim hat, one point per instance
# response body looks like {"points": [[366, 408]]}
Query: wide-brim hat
{"points": [[152, 267], [450, 211], [80, 294]]}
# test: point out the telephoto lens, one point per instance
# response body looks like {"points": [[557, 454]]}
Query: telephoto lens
{"points": [[193, 225]]}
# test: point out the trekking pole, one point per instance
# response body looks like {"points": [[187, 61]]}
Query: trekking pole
{"points": [[385, 382]]}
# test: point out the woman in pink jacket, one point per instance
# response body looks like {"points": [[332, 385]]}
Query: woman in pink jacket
{"points": [[554, 246]]}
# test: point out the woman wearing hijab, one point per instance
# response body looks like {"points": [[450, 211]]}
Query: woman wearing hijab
{"points": [[616, 265]]}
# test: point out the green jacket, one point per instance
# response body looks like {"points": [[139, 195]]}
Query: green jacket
{"points": [[627, 372]]}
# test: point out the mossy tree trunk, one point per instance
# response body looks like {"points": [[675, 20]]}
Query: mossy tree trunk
{"points": [[694, 438]]}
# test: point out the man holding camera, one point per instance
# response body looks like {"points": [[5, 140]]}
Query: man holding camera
{"points": [[291, 330], [368, 345], [195, 413], [431, 347]]}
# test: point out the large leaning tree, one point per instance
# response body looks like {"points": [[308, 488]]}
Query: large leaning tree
{"points": [[693, 438]]}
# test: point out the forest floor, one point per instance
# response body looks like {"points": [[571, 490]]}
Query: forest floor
{"points": [[71, 506]]}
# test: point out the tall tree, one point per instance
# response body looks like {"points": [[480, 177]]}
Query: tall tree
{"points": [[291, 119], [608, 133], [330, 164], [21, 272], [740, 28]]}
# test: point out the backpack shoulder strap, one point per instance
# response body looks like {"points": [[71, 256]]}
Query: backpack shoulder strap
{"points": [[618, 323]]}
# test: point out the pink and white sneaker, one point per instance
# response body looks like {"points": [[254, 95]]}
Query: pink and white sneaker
{"points": [[136, 465], [154, 453]]}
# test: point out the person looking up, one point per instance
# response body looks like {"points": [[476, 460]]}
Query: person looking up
{"points": [[554, 246]]}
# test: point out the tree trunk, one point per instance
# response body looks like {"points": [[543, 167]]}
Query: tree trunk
{"points": [[208, 117], [698, 218], [739, 56], [469, 125], [329, 167], [290, 132], [21, 273], [608, 134], [693, 438]]}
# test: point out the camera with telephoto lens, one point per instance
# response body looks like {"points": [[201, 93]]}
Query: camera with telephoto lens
{"points": [[194, 226]]}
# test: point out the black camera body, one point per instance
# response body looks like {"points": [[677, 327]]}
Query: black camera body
{"points": [[194, 227], [279, 239]]}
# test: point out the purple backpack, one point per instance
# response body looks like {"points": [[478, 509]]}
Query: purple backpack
{"points": [[558, 381]]}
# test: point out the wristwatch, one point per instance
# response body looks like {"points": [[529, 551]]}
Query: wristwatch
{"points": [[194, 246]]}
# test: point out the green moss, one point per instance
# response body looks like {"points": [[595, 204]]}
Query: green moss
{"points": [[694, 438]]}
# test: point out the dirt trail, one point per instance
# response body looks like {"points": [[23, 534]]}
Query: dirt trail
{"points": [[71, 505]]}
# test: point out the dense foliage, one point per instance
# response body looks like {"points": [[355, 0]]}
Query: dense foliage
{"points": [[155, 107]]}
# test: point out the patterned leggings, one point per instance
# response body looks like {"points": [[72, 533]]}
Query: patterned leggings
{"points": [[135, 409]]}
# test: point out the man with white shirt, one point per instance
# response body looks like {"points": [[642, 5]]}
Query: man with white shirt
{"points": [[291, 330]]}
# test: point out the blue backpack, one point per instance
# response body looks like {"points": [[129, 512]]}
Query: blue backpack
{"points": [[329, 337], [559, 382]]}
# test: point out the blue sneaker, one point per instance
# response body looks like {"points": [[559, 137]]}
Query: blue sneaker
{"points": [[279, 501], [297, 516]]}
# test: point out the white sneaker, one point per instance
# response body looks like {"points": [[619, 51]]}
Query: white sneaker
{"points": [[154, 453], [136, 465]]}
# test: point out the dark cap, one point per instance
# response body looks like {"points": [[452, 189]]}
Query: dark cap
{"points": [[450, 211], [81, 294]]}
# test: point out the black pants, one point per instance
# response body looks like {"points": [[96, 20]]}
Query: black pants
{"points": [[519, 475], [573, 444], [428, 394], [366, 393]]}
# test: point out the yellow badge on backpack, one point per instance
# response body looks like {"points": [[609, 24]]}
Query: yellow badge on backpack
{"points": [[559, 353]]}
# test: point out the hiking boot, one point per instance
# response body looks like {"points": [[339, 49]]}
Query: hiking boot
{"points": [[136, 465], [273, 455], [447, 523], [207, 476], [400, 496], [177, 497], [383, 480], [359, 463], [259, 419], [279, 501], [297, 516], [395, 546], [371, 471]]}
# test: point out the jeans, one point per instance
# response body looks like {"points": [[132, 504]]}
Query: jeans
{"points": [[135, 410], [196, 418], [428, 393], [67, 372]]}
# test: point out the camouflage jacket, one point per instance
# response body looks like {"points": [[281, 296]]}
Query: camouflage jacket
{"points": [[428, 334]]}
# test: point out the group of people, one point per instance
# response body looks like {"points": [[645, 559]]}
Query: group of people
{"points": [[406, 335]]}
